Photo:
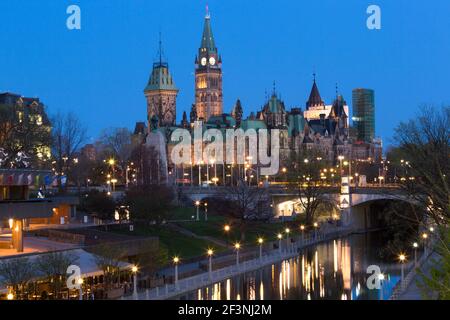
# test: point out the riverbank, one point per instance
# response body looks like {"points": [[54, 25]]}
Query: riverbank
{"points": [[283, 251]]}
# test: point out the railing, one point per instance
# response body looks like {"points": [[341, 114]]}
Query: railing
{"points": [[402, 285], [286, 251]]}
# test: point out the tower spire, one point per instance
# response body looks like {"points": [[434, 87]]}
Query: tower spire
{"points": [[208, 15], [160, 48]]}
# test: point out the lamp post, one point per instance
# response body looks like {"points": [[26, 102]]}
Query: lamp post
{"points": [[425, 237], [192, 173], [280, 237], [237, 247], [10, 296], [316, 227], [197, 205], [112, 162], [206, 211], [302, 229], [227, 228], [210, 253], [287, 239], [415, 246], [176, 260], [341, 158], [134, 269], [80, 288], [381, 279], [402, 259], [200, 174], [260, 242], [207, 173]]}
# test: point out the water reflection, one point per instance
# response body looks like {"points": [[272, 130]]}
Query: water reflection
{"points": [[334, 270]]}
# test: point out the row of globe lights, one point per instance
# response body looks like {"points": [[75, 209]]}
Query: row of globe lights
{"points": [[237, 247], [402, 257]]}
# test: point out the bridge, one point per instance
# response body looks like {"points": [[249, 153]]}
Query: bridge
{"points": [[358, 214]]}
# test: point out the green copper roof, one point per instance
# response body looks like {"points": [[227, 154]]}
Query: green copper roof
{"points": [[222, 121], [160, 79], [275, 105], [296, 124], [207, 37], [253, 124]]}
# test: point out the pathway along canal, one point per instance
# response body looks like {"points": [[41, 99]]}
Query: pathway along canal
{"points": [[335, 270]]}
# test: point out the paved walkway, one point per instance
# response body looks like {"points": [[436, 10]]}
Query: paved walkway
{"points": [[413, 292], [208, 278]]}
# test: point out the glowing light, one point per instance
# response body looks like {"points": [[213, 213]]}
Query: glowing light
{"points": [[260, 240], [302, 227], [210, 252], [280, 236], [10, 296], [402, 258], [237, 246], [134, 269], [176, 260], [415, 245], [226, 228]]}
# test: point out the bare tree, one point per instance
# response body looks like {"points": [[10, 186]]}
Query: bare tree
{"points": [[247, 203], [16, 273], [107, 259], [118, 142], [306, 181], [54, 267], [425, 142], [68, 134]]}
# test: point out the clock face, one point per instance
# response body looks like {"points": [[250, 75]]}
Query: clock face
{"points": [[203, 61], [212, 61]]}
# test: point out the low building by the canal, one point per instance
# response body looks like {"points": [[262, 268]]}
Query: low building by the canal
{"points": [[21, 207]]}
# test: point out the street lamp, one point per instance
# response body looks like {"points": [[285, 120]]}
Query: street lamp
{"points": [[402, 259], [227, 229], [302, 229], [10, 296], [415, 246], [425, 237], [280, 237], [316, 226], [206, 211], [176, 260], [381, 279], [112, 162], [210, 253], [197, 204], [287, 238], [80, 288], [134, 269], [237, 247], [260, 242]]}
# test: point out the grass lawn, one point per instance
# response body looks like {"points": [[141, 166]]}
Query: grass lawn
{"points": [[214, 227], [177, 244]]}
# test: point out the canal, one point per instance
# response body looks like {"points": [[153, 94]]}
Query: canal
{"points": [[334, 270]]}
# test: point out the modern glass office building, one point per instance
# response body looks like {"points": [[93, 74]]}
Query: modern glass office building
{"points": [[364, 114]]}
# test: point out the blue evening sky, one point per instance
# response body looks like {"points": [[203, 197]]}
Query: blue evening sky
{"points": [[100, 71]]}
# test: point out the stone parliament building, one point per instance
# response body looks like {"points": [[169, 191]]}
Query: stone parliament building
{"points": [[325, 127]]}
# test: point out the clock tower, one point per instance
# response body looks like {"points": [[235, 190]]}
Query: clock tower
{"points": [[208, 76], [161, 94]]}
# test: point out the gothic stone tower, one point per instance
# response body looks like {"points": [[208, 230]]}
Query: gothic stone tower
{"points": [[208, 76], [161, 94]]}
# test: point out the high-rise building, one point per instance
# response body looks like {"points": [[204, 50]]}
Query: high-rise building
{"points": [[364, 114], [161, 94], [208, 76]]}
